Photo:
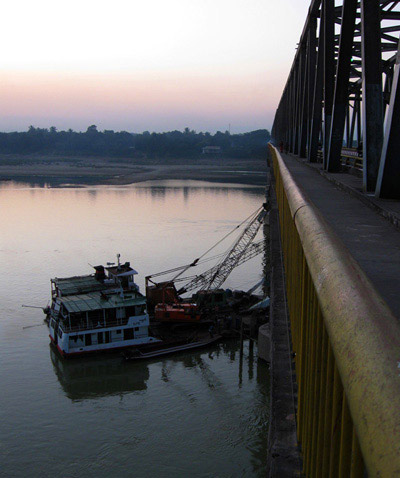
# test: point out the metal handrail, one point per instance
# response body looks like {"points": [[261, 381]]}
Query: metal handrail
{"points": [[78, 328], [347, 345], [96, 327]]}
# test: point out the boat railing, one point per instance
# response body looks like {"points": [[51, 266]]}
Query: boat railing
{"points": [[66, 328], [92, 325]]}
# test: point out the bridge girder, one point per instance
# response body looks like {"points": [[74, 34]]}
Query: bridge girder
{"points": [[343, 87]]}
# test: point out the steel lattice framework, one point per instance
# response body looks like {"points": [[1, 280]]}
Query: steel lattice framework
{"points": [[218, 274], [343, 90], [241, 251]]}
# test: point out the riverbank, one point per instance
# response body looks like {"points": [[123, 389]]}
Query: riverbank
{"points": [[59, 172]]}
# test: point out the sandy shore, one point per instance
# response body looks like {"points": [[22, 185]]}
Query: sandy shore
{"points": [[78, 171]]}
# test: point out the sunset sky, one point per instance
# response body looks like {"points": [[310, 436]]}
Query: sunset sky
{"points": [[155, 65]]}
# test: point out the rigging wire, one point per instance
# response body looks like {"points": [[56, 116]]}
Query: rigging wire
{"points": [[223, 254], [182, 269], [195, 262], [252, 216]]}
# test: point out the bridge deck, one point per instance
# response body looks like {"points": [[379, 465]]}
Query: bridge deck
{"points": [[371, 239]]}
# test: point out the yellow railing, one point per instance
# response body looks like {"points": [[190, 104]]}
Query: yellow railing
{"points": [[346, 343]]}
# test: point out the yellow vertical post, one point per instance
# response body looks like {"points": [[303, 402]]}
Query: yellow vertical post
{"points": [[336, 423], [317, 385], [357, 464], [307, 378], [328, 411], [321, 415], [310, 378], [304, 369], [302, 354], [346, 439]]}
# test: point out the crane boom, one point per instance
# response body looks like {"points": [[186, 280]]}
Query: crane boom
{"points": [[241, 251]]}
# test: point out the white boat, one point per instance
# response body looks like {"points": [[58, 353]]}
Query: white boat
{"points": [[98, 312]]}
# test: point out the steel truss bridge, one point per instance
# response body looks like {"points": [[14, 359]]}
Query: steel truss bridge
{"points": [[343, 91], [341, 99]]}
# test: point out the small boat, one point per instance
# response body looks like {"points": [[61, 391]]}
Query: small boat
{"points": [[101, 312], [165, 348]]}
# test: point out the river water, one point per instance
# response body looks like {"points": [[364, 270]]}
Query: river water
{"points": [[202, 414]]}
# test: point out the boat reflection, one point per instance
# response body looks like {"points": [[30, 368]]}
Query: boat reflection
{"points": [[92, 377], [101, 376]]}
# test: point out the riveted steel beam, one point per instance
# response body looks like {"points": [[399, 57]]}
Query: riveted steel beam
{"points": [[312, 64], [388, 184], [340, 105], [372, 114], [316, 99], [304, 102], [329, 71], [313, 142]]}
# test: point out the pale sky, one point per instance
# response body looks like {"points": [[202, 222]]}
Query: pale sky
{"points": [[152, 65]]}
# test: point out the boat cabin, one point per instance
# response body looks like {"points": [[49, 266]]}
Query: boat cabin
{"points": [[113, 277], [96, 312]]}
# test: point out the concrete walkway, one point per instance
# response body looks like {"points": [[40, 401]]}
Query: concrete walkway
{"points": [[367, 226]]}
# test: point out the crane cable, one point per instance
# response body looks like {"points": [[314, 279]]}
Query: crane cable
{"points": [[195, 262], [188, 278]]}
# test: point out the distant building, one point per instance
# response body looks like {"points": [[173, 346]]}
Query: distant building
{"points": [[211, 150]]}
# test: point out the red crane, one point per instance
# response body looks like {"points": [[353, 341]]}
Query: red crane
{"points": [[170, 307]]}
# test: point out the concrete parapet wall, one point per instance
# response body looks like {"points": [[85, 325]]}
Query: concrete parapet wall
{"points": [[264, 342], [283, 452]]}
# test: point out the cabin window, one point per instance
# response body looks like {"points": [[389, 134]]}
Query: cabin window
{"points": [[78, 320], [140, 309], [128, 334], [88, 339], [110, 315], [107, 337], [121, 313], [116, 336], [96, 317], [136, 329], [125, 282], [130, 311], [99, 337], [75, 341]]}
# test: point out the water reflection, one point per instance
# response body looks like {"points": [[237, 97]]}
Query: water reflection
{"points": [[90, 377], [109, 374]]}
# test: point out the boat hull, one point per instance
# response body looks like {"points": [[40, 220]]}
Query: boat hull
{"points": [[85, 353], [86, 342], [167, 349]]}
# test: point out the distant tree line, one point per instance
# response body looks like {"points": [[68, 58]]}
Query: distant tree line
{"points": [[109, 143]]}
